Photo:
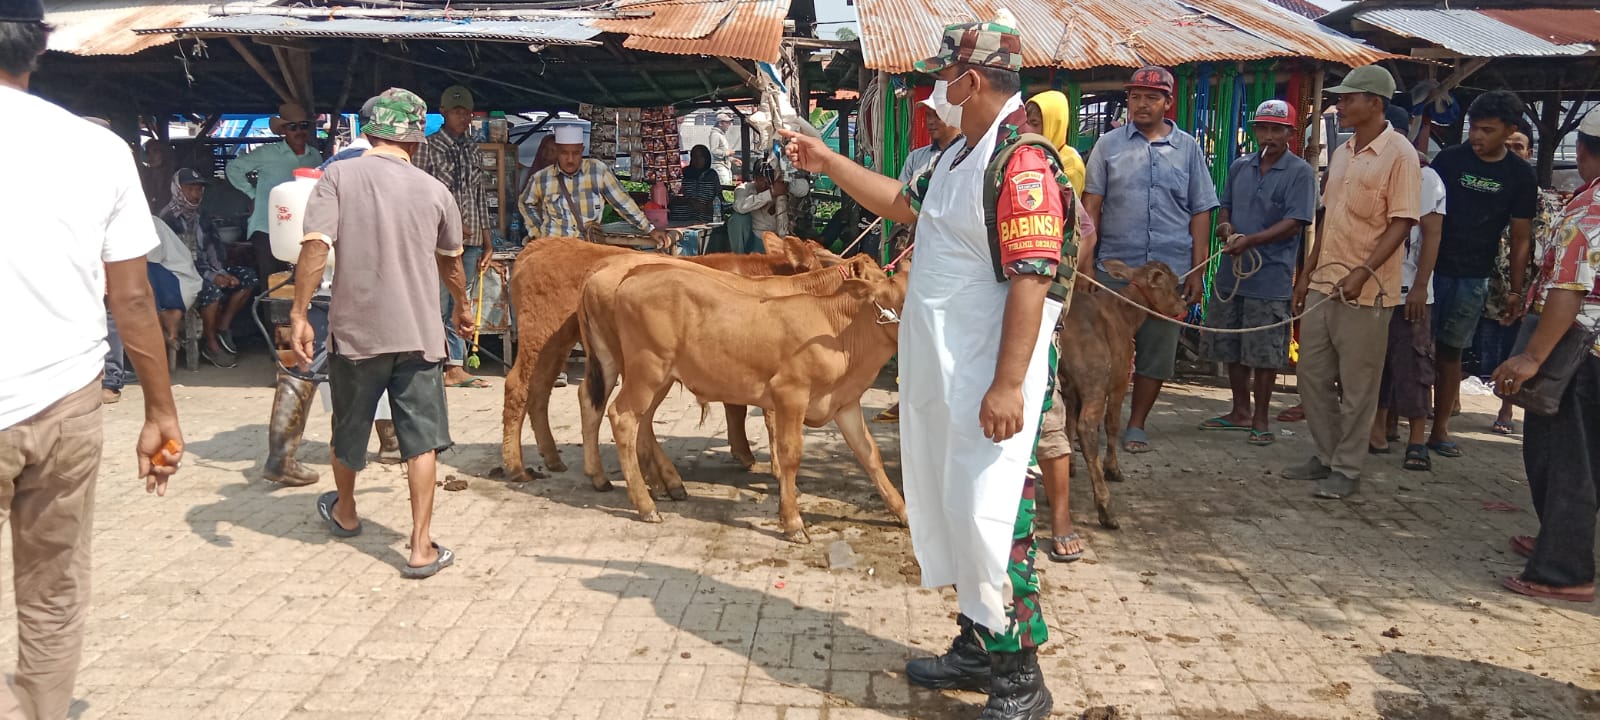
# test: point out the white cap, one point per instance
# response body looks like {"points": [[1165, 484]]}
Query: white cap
{"points": [[1591, 123], [569, 135]]}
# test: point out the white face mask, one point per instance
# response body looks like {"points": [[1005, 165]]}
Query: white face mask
{"points": [[949, 113]]}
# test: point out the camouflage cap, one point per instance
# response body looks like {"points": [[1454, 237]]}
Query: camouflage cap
{"points": [[987, 44], [398, 115]]}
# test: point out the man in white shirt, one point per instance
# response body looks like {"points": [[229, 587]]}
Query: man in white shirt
{"points": [[721, 150], [86, 250], [758, 200]]}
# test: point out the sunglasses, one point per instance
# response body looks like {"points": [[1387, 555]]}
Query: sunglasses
{"points": [[302, 125]]}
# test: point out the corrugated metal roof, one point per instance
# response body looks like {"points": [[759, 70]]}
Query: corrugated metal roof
{"points": [[747, 29], [545, 32], [1082, 34], [1470, 33], [1563, 27], [102, 27]]}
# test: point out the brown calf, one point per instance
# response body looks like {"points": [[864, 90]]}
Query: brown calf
{"points": [[1096, 351], [806, 358], [601, 289], [546, 284]]}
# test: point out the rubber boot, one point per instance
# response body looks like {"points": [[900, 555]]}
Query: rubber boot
{"points": [[290, 404], [1017, 691], [388, 442], [964, 667]]}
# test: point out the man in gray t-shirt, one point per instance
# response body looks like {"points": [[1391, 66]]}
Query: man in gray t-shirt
{"points": [[398, 234]]}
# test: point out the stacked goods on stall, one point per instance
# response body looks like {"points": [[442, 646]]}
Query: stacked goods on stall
{"points": [[663, 160]]}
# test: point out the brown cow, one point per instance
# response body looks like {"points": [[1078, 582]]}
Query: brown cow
{"points": [[546, 284], [806, 358], [1096, 352], [601, 289]]}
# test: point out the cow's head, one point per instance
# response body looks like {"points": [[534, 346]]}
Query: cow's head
{"points": [[791, 255], [1153, 285]]}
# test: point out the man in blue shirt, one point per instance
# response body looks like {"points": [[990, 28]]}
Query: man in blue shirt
{"points": [[1150, 195], [1271, 196]]}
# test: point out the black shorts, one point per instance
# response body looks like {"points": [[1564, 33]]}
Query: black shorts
{"points": [[416, 397]]}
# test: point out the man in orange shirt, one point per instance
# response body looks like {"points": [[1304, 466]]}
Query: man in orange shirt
{"points": [[1371, 201]]}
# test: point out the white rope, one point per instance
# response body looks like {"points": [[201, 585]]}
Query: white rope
{"points": [[1338, 295]]}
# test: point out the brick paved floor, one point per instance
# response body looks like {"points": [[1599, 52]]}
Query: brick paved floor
{"points": [[1227, 593]]}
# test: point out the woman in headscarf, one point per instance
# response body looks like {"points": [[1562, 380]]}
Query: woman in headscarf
{"points": [[1049, 113], [701, 186], [224, 290]]}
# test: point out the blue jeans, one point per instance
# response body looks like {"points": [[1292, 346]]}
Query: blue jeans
{"points": [[456, 346], [112, 379], [1457, 306]]}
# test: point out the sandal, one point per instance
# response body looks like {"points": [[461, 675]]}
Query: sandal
{"points": [[1522, 545], [475, 382], [1502, 427], [1294, 414], [1417, 458], [889, 415], [1375, 450], [1136, 441], [446, 559], [325, 503], [1065, 541], [1578, 593], [1221, 423], [1448, 448], [1261, 438]]}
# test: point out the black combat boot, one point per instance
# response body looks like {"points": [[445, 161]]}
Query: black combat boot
{"points": [[964, 667], [290, 405], [1017, 691]]}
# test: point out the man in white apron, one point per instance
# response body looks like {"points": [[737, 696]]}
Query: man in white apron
{"points": [[974, 362]]}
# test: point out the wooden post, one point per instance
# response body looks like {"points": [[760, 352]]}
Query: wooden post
{"points": [[1313, 154], [261, 70]]}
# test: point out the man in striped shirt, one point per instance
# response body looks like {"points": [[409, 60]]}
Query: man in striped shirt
{"points": [[453, 158], [570, 195]]}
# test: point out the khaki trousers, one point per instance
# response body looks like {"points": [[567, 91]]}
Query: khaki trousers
{"points": [[1340, 373], [48, 465]]}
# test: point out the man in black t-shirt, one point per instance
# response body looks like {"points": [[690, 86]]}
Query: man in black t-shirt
{"points": [[1486, 187]]}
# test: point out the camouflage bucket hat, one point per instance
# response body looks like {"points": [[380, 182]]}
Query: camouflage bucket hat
{"points": [[986, 44], [398, 115]]}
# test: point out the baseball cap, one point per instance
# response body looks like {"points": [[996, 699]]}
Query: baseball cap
{"points": [[1591, 123], [398, 115], [188, 176], [1276, 112], [21, 11], [1152, 77], [455, 96], [1366, 79], [993, 44], [724, 117]]}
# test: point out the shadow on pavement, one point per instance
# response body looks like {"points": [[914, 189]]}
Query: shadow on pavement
{"points": [[1447, 688], [792, 645]]}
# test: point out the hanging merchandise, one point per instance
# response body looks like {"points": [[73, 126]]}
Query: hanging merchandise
{"points": [[658, 136]]}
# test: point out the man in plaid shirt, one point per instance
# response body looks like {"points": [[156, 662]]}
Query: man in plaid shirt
{"points": [[453, 158], [570, 195]]}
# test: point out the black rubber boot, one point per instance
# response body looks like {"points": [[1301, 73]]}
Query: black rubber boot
{"points": [[290, 404], [1017, 691], [964, 667]]}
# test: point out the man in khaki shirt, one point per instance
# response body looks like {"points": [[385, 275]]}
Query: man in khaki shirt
{"points": [[1371, 202]]}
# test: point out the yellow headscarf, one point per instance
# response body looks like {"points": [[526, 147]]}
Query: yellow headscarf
{"points": [[1057, 113]]}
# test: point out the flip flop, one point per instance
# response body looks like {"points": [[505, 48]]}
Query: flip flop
{"points": [[1136, 435], [1375, 450], [889, 415], [1294, 414], [1522, 545], [446, 559], [1448, 448], [1064, 540], [471, 383], [1517, 585], [1417, 458], [1502, 427], [325, 503], [1261, 438], [1221, 423]]}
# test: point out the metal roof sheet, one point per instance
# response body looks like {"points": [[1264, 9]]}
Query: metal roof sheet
{"points": [[101, 27], [545, 32], [1563, 27], [1082, 34], [747, 29], [1470, 33]]}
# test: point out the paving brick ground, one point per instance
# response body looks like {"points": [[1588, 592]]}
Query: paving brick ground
{"points": [[1227, 593]]}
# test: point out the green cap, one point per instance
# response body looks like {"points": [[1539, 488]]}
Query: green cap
{"points": [[455, 96], [994, 44], [398, 115], [1366, 79]]}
